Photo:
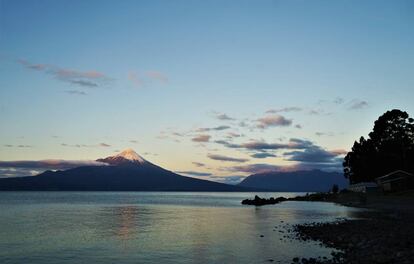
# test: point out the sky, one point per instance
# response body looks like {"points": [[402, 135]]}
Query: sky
{"points": [[212, 89]]}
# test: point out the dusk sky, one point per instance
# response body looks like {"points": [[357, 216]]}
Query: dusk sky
{"points": [[213, 89]]}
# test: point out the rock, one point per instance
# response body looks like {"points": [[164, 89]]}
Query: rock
{"points": [[257, 201], [295, 259]]}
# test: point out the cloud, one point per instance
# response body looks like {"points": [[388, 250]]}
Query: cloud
{"points": [[85, 146], [261, 145], [135, 80], [224, 117], [314, 154], [273, 121], [218, 128], [201, 138], [84, 83], [227, 144], [225, 158], [357, 104], [254, 168], [233, 180], [17, 146], [156, 75], [177, 134], [194, 173], [294, 143], [243, 124], [285, 109], [198, 164], [80, 78], [29, 168], [18, 172], [339, 151], [262, 155], [317, 157], [320, 134], [75, 92], [233, 135], [339, 100]]}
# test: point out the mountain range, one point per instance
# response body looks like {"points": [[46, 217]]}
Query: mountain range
{"points": [[295, 181], [126, 171]]}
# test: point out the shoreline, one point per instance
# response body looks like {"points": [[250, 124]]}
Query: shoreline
{"points": [[383, 234]]}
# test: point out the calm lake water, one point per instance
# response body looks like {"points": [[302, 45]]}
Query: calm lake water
{"points": [[152, 227]]}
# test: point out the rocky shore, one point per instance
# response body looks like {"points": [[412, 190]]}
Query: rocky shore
{"points": [[381, 238], [382, 235]]}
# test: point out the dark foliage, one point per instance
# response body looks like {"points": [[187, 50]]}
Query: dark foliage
{"points": [[335, 188], [389, 147]]}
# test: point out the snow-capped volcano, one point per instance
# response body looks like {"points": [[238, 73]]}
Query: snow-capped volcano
{"points": [[125, 157], [131, 155]]}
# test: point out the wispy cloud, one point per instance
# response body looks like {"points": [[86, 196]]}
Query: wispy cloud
{"points": [[194, 173], [157, 76], [262, 155], [320, 134], [135, 79], [254, 168], [198, 164], [225, 158], [285, 109], [222, 116], [231, 135], [218, 128], [294, 143], [29, 168], [357, 104], [105, 145], [17, 146], [339, 100], [18, 172], [273, 121], [145, 78], [86, 79], [227, 179], [75, 92], [201, 138]]}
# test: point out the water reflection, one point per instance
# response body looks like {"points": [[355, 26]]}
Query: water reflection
{"points": [[127, 225], [123, 222], [189, 228]]}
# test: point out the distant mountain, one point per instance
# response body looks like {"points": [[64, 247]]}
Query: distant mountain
{"points": [[126, 157], [126, 171], [295, 181]]}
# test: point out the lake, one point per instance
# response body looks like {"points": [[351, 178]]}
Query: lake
{"points": [[155, 227]]}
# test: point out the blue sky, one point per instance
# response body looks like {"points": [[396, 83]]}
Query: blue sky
{"points": [[80, 80]]}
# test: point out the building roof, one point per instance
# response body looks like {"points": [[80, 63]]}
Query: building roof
{"points": [[364, 184], [403, 174]]}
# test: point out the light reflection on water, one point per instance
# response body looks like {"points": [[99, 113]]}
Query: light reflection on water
{"points": [[67, 227]]}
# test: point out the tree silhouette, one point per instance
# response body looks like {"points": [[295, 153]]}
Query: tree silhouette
{"points": [[390, 146], [335, 188]]}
